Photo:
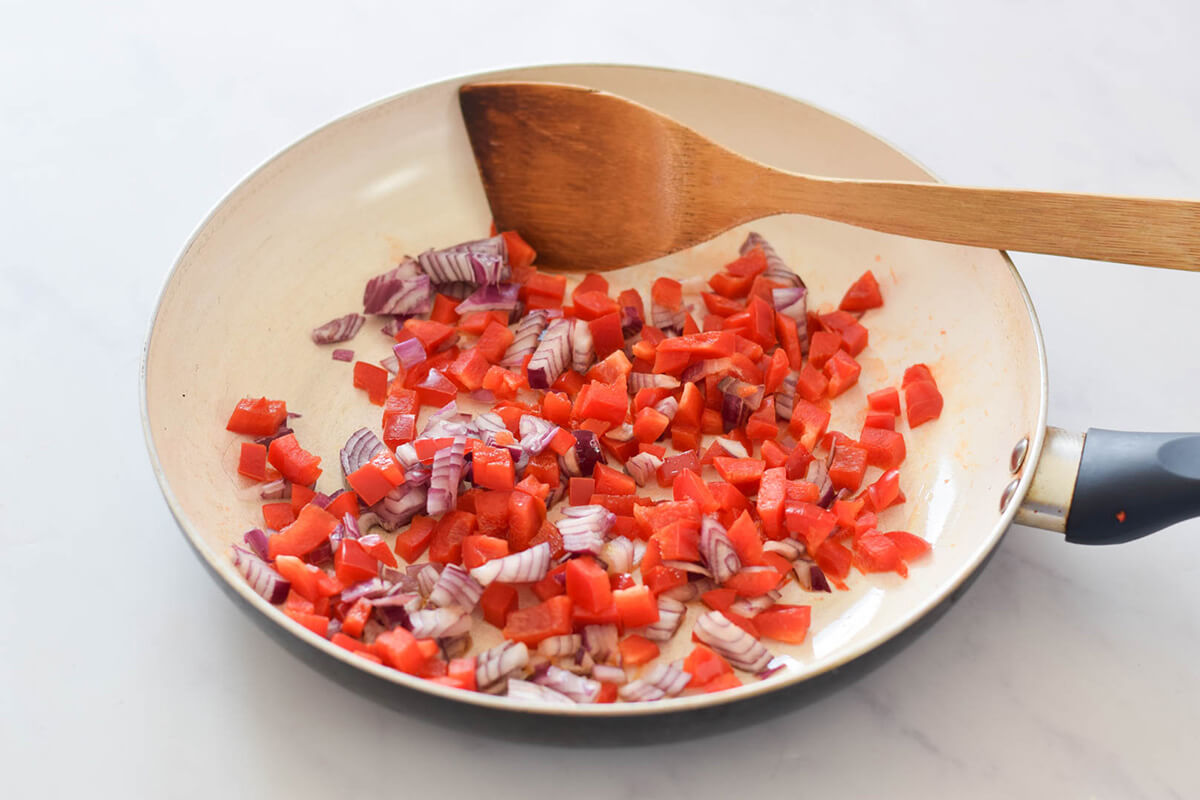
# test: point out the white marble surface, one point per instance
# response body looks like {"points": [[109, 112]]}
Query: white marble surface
{"points": [[1062, 671]]}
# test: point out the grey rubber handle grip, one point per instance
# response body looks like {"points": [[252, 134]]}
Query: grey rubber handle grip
{"points": [[1132, 484]]}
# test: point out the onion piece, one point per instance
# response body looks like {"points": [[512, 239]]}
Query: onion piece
{"points": [[361, 447], [427, 577], [749, 394], [739, 648], [278, 489], [410, 352], [432, 623], [618, 554], [643, 467], [668, 407], [455, 587], [391, 364], [527, 692], [621, 433], [818, 473], [395, 293], [585, 528], [338, 330], [650, 380], [581, 460], [256, 540], [525, 338], [810, 577], [536, 433], [551, 356], [791, 302], [658, 682], [269, 584], [670, 617], [689, 591], [702, 369], [717, 550], [785, 398], [575, 687], [667, 320], [456, 265], [455, 646], [689, 567], [732, 446], [526, 566], [778, 664], [490, 298], [558, 646], [777, 270], [399, 506], [447, 472], [749, 606], [494, 665], [370, 589], [583, 348], [283, 430], [602, 642], [788, 548], [607, 673], [394, 609], [342, 354], [632, 321]]}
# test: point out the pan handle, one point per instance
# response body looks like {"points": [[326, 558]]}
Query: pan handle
{"points": [[1108, 487]]}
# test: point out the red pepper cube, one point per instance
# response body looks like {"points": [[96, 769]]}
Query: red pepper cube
{"points": [[848, 466], [492, 467], [842, 371], [257, 417], [373, 379]]}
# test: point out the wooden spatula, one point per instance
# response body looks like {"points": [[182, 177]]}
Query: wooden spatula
{"points": [[594, 181]]}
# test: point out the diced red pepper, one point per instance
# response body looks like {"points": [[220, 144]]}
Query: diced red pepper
{"points": [[532, 625], [252, 461], [784, 623], [885, 449], [497, 602], [863, 294], [257, 417], [293, 462]]}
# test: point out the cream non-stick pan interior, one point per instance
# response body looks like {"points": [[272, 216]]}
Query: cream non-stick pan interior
{"points": [[292, 246]]}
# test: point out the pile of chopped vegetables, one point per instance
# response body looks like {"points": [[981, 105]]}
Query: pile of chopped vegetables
{"points": [[530, 516]]}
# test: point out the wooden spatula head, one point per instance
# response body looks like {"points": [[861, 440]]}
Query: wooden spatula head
{"points": [[594, 181]]}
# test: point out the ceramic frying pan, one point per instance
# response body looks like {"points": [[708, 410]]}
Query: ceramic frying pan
{"points": [[293, 244]]}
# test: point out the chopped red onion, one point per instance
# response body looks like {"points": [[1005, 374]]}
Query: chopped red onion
{"points": [[688, 566], [658, 682], [455, 587], [810, 577], [818, 473], [278, 489], [370, 589], [749, 394], [525, 338], [584, 528], [643, 467], [456, 265], [667, 320], [575, 687], [526, 566], [791, 302], [361, 447], [739, 648], [777, 270], [394, 609], [494, 665], [621, 433], [527, 692], [393, 326], [483, 396], [455, 646], [651, 380], [536, 433], [689, 591], [733, 447], [668, 407], [607, 673], [583, 347], [558, 646], [342, 354], [448, 422], [785, 398], [447, 473], [320, 554], [338, 330], [490, 423], [749, 606], [631, 321], [702, 369], [788, 548], [396, 293], [367, 520], [551, 356], [406, 454], [670, 617], [256, 540], [778, 664], [390, 363], [717, 550], [399, 506], [602, 642], [410, 352], [459, 290], [262, 578], [490, 298], [427, 577], [431, 623], [283, 430], [581, 460], [618, 554]]}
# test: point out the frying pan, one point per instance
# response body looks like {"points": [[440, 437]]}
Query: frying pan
{"points": [[293, 244]]}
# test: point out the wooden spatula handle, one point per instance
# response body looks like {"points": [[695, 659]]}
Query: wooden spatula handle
{"points": [[1151, 232]]}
